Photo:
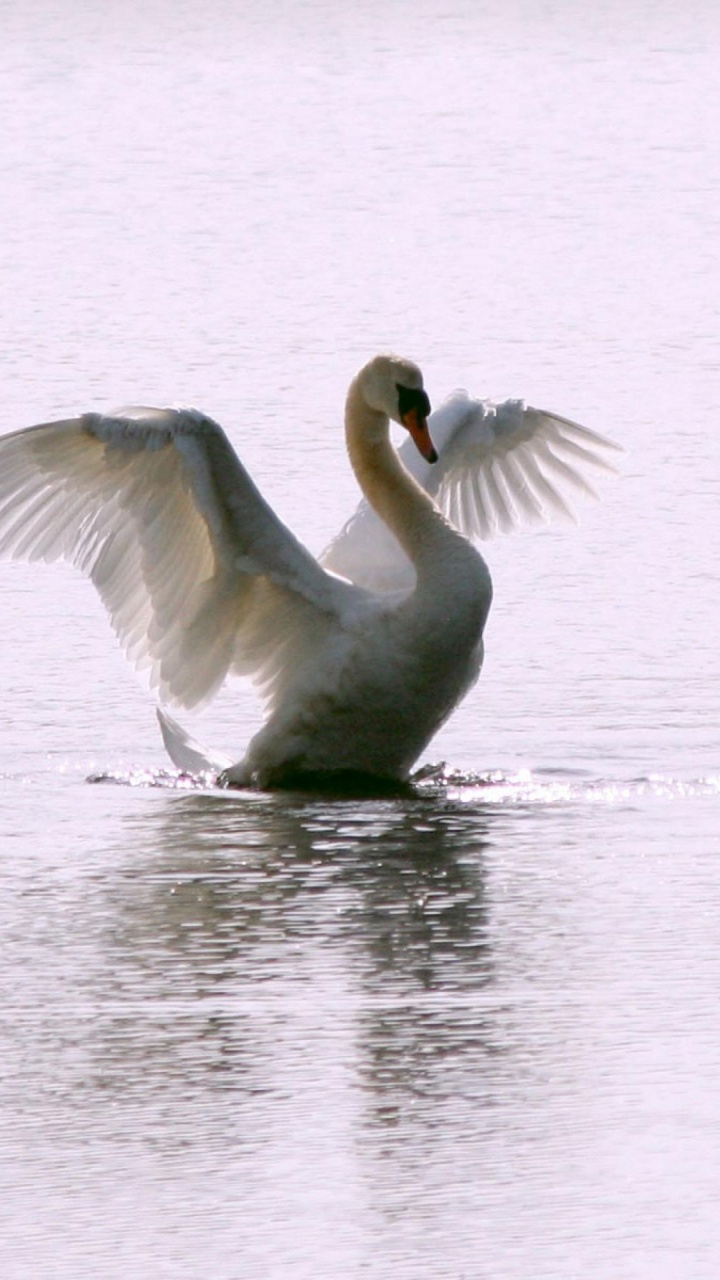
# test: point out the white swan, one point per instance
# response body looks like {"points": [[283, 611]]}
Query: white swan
{"points": [[202, 580]]}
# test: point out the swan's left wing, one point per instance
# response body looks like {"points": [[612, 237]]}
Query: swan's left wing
{"points": [[501, 466], [506, 465], [198, 574]]}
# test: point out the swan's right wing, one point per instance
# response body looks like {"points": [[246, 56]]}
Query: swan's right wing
{"points": [[198, 574], [501, 466]]}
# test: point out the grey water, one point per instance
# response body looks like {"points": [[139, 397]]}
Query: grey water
{"points": [[468, 1033]]}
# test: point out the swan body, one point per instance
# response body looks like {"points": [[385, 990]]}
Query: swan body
{"points": [[361, 656]]}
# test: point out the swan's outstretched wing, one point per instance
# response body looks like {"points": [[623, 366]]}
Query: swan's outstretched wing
{"points": [[191, 562], [500, 466], [506, 465]]}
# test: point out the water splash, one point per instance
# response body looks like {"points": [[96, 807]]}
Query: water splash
{"points": [[558, 787], [525, 787], [163, 779]]}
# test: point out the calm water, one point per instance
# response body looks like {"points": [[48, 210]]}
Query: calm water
{"points": [[470, 1035]]}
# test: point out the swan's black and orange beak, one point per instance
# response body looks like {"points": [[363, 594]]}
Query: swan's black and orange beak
{"points": [[420, 432], [414, 412]]}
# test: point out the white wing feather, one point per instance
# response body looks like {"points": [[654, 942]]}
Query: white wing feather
{"points": [[197, 573], [500, 466]]}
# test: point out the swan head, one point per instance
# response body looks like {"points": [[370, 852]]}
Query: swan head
{"points": [[393, 387]]}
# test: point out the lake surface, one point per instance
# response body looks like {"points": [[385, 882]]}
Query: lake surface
{"points": [[467, 1034]]}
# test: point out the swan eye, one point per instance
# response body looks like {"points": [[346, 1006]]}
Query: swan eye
{"points": [[410, 398]]}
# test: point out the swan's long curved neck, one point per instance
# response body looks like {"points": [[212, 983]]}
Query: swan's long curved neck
{"points": [[404, 507]]}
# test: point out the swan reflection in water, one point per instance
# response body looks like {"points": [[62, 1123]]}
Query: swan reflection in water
{"points": [[247, 938], [360, 656]]}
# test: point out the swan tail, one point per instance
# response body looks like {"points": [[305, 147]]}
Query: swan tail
{"points": [[187, 754]]}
